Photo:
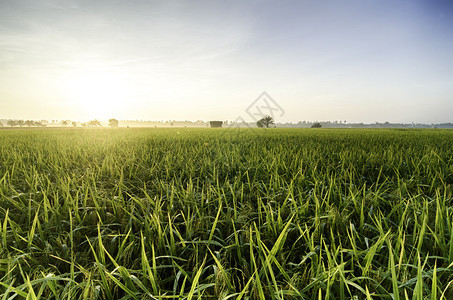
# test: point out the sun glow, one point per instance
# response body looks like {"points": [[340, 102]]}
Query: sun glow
{"points": [[97, 94]]}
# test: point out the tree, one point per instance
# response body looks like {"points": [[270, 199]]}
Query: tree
{"points": [[316, 125], [94, 123], [20, 123], [113, 123], [265, 122], [64, 123], [74, 124], [29, 123], [12, 123]]}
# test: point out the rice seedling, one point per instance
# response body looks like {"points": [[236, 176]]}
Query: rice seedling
{"points": [[208, 213]]}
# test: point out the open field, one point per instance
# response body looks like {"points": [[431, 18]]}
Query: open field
{"points": [[226, 214]]}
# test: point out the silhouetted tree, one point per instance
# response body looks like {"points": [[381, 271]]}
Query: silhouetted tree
{"points": [[20, 123], [316, 125], [113, 123], [64, 123], [265, 122], [29, 123], [74, 124]]}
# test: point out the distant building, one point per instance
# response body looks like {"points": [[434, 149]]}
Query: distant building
{"points": [[216, 124]]}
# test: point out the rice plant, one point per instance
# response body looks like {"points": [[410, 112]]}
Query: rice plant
{"points": [[226, 214]]}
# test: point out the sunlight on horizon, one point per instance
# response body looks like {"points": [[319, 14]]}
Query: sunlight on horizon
{"points": [[360, 61], [97, 94]]}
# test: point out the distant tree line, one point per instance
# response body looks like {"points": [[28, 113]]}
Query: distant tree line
{"points": [[113, 123], [344, 124], [167, 123], [21, 123], [64, 123]]}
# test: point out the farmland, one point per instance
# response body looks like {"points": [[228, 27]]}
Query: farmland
{"points": [[226, 214]]}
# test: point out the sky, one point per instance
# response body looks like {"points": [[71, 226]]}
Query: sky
{"points": [[352, 60]]}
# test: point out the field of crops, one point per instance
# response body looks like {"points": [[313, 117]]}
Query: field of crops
{"points": [[226, 214]]}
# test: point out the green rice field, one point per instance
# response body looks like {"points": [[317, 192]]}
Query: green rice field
{"points": [[187, 213]]}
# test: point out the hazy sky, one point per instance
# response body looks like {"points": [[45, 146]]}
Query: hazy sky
{"points": [[353, 60]]}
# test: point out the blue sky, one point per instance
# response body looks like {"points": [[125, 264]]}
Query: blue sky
{"points": [[360, 61]]}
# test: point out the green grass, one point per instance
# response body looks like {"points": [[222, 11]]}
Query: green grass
{"points": [[226, 214]]}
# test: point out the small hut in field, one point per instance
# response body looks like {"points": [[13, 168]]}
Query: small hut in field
{"points": [[216, 124]]}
